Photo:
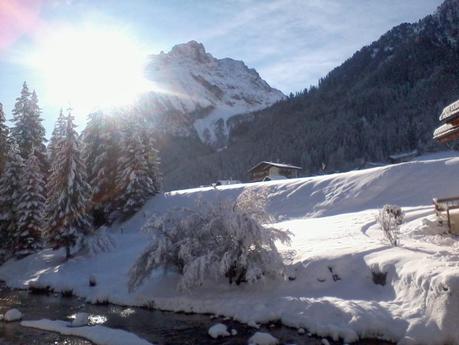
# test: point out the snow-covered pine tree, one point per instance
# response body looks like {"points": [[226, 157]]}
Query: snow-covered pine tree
{"points": [[28, 130], [3, 139], [101, 153], [56, 136], [151, 153], [68, 193], [133, 181], [10, 192], [30, 208], [38, 136]]}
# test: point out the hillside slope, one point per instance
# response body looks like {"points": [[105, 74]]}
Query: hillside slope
{"points": [[332, 218]]}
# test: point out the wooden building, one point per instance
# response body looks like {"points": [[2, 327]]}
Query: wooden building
{"points": [[266, 171], [449, 129], [447, 209]]}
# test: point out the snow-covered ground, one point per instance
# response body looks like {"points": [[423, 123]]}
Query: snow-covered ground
{"points": [[337, 254]]}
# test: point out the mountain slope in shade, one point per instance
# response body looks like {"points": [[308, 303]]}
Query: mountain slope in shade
{"points": [[383, 100], [195, 92]]}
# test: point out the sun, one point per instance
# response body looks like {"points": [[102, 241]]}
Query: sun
{"points": [[90, 68]]}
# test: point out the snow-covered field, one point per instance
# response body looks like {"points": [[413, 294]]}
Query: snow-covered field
{"points": [[337, 253]]}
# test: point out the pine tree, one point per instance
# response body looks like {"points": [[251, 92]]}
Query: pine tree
{"points": [[30, 208], [134, 181], [101, 153], [68, 193], [21, 113], [28, 130], [56, 136], [38, 134], [3, 139], [151, 154], [10, 192]]}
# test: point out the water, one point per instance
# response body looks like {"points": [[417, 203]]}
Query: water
{"points": [[155, 326]]}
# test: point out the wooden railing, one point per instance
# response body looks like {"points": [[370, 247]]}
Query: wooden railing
{"points": [[443, 206]]}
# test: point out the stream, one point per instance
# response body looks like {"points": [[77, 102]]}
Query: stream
{"points": [[157, 327]]}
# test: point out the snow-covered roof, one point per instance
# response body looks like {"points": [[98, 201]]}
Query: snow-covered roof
{"points": [[404, 155], [446, 132], [279, 165], [450, 112]]}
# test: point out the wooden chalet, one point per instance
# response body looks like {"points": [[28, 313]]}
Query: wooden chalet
{"points": [[266, 171], [447, 209], [449, 129]]}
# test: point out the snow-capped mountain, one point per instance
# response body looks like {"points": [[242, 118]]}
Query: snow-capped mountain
{"points": [[196, 92]]}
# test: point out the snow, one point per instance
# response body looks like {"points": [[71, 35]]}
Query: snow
{"points": [[12, 315], [337, 250], [99, 335], [81, 319], [192, 80], [218, 330], [261, 338]]}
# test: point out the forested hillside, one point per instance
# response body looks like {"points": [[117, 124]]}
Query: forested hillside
{"points": [[385, 99]]}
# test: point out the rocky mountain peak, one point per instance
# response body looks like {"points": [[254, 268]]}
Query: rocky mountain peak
{"points": [[192, 50], [203, 92]]}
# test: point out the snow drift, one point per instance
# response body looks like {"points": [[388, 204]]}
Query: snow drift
{"points": [[348, 282]]}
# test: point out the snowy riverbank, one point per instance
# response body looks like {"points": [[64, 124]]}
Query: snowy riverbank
{"points": [[349, 283]]}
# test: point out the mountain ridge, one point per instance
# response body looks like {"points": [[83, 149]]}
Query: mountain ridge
{"points": [[202, 92]]}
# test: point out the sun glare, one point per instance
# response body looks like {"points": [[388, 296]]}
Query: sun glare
{"points": [[90, 68]]}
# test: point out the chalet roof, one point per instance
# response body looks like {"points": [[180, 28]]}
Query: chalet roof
{"points": [[450, 112], [446, 132], [279, 165]]}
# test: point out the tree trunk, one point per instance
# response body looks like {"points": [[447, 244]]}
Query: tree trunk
{"points": [[67, 252]]}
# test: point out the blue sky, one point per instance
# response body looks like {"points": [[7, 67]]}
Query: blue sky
{"points": [[291, 43]]}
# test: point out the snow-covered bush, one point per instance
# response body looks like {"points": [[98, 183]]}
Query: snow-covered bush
{"points": [[213, 242], [218, 330], [390, 218], [262, 338], [12, 315]]}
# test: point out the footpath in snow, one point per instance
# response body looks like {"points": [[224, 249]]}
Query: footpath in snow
{"points": [[348, 282]]}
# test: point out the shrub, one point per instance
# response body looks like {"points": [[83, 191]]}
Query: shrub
{"points": [[223, 240], [390, 218], [99, 242]]}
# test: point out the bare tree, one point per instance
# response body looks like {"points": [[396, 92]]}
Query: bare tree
{"points": [[390, 218]]}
